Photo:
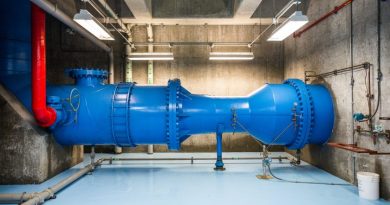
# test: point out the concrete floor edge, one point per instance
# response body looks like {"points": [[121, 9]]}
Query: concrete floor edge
{"points": [[175, 182]]}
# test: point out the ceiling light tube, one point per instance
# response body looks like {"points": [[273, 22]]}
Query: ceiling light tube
{"points": [[289, 26], [231, 56], [91, 24], [151, 56]]}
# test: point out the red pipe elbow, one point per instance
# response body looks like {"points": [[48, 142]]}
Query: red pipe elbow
{"points": [[44, 115]]}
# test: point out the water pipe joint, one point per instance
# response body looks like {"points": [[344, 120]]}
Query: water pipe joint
{"points": [[54, 102], [267, 161], [173, 91], [45, 117], [88, 77], [304, 111], [359, 117]]}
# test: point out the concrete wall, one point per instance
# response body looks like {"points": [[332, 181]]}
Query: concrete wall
{"points": [[200, 75], [67, 49], [327, 47], [191, 65], [28, 155]]}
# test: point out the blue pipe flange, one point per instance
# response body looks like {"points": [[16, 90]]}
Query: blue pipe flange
{"points": [[76, 73], [305, 113], [312, 114], [55, 102], [173, 91], [120, 114], [184, 95]]}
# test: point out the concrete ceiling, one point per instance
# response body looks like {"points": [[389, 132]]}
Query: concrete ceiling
{"points": [[195, 12], [269, 8]]}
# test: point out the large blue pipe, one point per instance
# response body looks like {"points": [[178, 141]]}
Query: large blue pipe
{"points": [[91, 113], [126, 114]]}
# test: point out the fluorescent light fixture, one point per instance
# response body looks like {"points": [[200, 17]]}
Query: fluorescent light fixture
{"points": [[231, 56], [289, 26], [91, 24], [151, 56]]}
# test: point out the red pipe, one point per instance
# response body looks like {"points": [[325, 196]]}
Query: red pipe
{"points": [[311, 25], [44, 115]]}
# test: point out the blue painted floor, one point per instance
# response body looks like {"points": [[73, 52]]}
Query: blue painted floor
{"points": [[183, 183]]}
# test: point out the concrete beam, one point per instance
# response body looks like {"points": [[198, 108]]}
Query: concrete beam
{"points": [[141, 9], [20, 109], [198, 21], [246, 8]]}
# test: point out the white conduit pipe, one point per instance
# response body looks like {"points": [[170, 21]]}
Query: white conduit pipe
{"points": [[128, 70], [129, 63], [111, 79], [150, 68], [129, 66]]}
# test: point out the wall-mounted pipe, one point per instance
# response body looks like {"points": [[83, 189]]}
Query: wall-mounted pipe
{"points": [[61, 16], [128, 70], [111, 79], [45, 115], [322, 18], [41, 197], [129, 63], [149, 30]]}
